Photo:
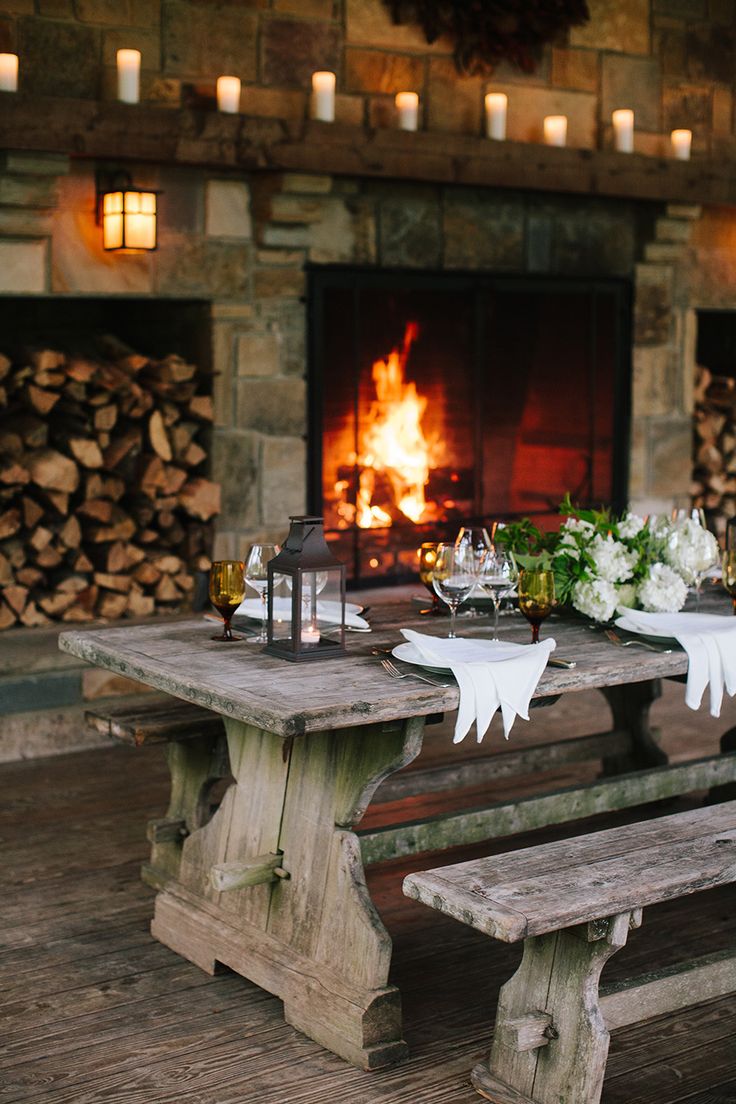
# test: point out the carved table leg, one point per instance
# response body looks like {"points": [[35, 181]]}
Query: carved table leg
{"points": [[195, 766], [311, 936], [630, 705], [553, 995]]}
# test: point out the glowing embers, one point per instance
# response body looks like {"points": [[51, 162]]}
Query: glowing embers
{"points": [[396, 454]]}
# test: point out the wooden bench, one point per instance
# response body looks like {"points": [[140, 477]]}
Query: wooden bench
{"points": [[573, 903], [196, 752]]}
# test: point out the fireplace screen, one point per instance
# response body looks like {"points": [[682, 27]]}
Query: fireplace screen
{"points": [[440, 399]]}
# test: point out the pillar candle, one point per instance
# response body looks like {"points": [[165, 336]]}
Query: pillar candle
{"points": [[681, 142], [555, 130], [8, 72], [323, 96], [228, 95], [407, 105], [623, 130], [129, 75], [496, 104]]}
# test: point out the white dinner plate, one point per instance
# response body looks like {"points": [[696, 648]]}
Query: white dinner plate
{"points": [[409, 654]]}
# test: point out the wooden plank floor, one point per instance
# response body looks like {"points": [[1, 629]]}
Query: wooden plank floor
{"points": [[93, 1010]]}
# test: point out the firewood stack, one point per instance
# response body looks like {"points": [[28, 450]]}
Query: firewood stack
{"points": [[104, 510], [714, 459]]}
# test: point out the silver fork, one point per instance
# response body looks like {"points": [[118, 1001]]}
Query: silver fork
{"points": [[616, 639], [394, 671]]}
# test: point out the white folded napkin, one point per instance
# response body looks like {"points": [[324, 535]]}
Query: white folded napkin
{"points": [[710, 642], [491, 674], [327, 612]]}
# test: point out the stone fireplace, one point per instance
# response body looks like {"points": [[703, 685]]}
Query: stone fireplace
{"points": [[251, 204]]}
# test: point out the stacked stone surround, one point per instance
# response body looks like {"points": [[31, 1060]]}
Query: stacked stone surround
{"points": [[670, 60]]}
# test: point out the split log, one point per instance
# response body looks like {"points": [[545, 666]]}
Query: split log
{"points": [[53, 471]]}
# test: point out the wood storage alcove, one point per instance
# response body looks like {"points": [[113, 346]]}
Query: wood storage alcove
{"points": [[105, 426]]}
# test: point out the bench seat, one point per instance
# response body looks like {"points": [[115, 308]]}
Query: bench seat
{"points": [[153, 718], [573, 903]]}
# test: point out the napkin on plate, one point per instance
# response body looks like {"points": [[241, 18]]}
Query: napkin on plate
{"points": [[491, 674], [710, 642], [327, 612]]}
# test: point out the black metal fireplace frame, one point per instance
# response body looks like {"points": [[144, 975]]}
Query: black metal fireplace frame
{"points": [[321, 278]]}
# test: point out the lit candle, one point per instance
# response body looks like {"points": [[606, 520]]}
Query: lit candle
{"points": [[407, 105], [681, 142], [496, 104], [129, 75], [8, 72], [623, 130], [555, 130], [323, 96], [228, 95], [310, 635]]}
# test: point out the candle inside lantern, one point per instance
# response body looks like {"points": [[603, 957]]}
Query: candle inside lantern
{"points": [[681, 143], [310, 635], [407, 106], [8, 72], [228, 95], [129, 75], [623, 130], [323, 96], [555, 130], [496, 104]]}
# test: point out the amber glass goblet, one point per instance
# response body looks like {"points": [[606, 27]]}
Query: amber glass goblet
{"points": [[728, 578], [536, 597], [427, 559], [227, 590]]}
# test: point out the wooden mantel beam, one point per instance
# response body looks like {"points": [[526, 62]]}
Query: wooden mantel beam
{"points": [[207, 138]]}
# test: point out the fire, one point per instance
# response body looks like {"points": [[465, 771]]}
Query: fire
{"points": [[393, 443]]}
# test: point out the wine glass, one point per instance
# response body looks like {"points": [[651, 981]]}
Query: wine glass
{"points": [[536, 597], [498, 576], [256, 576], [226, 591], [427, 557], [478, 540], [728, 578], [455, 574]]}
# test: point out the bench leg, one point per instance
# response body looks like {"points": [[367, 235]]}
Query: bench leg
{"points": [[195, 766], [550, 1041]]}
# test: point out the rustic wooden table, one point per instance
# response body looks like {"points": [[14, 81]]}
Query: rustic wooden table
{"points": [[272, 883]]}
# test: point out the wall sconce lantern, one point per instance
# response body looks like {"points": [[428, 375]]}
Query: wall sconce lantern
{"points": [[127, 214]]}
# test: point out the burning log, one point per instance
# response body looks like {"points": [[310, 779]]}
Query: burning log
{"points": [[105, 508]]}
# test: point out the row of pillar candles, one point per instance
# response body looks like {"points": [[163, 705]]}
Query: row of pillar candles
{"points": [[407, 105]]}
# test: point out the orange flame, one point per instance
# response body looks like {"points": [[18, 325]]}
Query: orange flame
{"points": [[393, 442]]}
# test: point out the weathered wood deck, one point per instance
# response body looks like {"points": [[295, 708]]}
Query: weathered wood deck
{"points": [[93, 1010]]}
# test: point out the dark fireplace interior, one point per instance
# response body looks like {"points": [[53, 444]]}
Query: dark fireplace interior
{"points": [[436, 399]]}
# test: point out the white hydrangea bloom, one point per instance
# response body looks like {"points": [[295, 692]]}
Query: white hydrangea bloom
{"points": [[595, 598], [691, 549], [576, 525], [663, 590], [626, 595], [612, 559], [630, 525]]}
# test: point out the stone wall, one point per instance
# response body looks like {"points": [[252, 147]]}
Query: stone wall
{"points": [[670, 60]]}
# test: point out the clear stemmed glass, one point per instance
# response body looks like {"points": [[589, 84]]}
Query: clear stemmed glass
{"points": [[256, 576], [226, 591], [498, 577], [455, 574], [477, 539]]}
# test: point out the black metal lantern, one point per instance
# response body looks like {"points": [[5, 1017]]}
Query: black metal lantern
{"points": [[301, 578]]}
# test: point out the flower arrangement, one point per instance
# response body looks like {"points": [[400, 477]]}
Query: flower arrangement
{"points": [[602, 562]]}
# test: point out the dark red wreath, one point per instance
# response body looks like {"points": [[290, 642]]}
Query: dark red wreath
{"points": [[488, 31]]}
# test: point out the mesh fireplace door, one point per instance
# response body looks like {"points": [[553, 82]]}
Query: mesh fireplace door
{"points": [[440, 398]]}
